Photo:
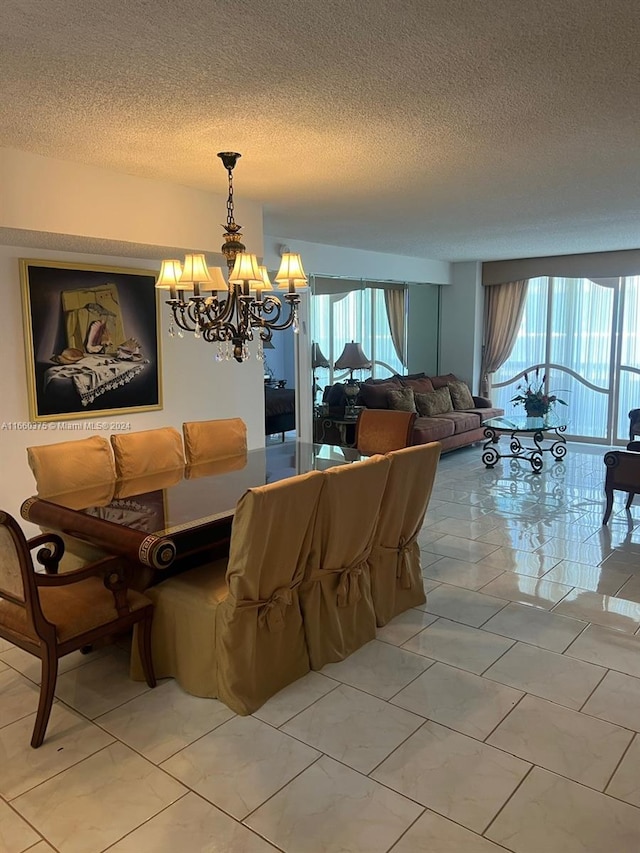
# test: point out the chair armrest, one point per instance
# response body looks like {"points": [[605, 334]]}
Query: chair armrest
{"points": [[482, 402], [47, 557], [112, 570], [100, 567]]}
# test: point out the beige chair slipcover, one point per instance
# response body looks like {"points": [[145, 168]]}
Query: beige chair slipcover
{"points": [[146, 452], [83, 472], [71, 465], [207, 441], [233, 629], [336, 601], [396, 579]]}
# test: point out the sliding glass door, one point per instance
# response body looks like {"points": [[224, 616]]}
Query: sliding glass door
{"points": [[583, 335]]}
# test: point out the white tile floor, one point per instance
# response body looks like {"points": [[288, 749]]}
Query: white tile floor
{"points": [[503, 715]]}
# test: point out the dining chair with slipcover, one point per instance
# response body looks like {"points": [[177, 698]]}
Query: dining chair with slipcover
{"points": [[233, 629], [147, 452], [82, 467], [208, 441], [396, 577], [71, 465], [50, 615], [383, 430], [335, 596]]}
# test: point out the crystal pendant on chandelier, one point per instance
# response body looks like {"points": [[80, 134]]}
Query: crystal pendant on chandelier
{"points": [[202, 302]]}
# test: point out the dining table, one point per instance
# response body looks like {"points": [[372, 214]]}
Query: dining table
{"points": [[167, 520]]}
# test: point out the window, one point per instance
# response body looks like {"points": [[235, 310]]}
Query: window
{"points": [[358, 315], [583, 334]]}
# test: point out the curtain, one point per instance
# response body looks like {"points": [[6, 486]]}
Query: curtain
{"points": [[394, 300], [503, 307]]}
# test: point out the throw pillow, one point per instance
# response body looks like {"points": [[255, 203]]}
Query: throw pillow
{"points": [[375, 396], [441, 381], [402, 400], [460, 395], [432, 403], [418, 386]]}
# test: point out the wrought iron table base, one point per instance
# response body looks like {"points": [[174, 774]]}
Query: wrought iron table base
{"points": [[532, 455]]}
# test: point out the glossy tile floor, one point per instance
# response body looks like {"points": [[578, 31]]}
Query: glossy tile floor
{"points": [[503, 715]]}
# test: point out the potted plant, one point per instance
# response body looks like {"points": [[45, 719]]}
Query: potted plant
{"points": [[533, 397]]}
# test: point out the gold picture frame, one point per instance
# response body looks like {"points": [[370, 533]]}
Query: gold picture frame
{"points": [[92, 343]]}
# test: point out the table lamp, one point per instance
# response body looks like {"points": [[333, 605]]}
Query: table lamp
{"points": [[352, 358]]}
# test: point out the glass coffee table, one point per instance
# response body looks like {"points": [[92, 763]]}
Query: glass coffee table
{"points": [[549, 429]]}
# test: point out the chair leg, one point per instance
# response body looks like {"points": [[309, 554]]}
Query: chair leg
{"points": [[144, 649], [630, 500], [609, 506], [47, 689]]}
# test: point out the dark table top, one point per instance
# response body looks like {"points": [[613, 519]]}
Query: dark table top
{"points": [[183, 499]]}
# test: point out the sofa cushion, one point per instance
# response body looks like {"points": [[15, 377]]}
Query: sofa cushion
{"points": [[418, 386], [374, 396], [460, 395], [434, 402], [441, 381], [485, 414], [431, 429], [401, 399], [462, 421]]}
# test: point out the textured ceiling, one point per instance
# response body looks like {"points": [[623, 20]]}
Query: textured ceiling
{"points": [[452, 129]]}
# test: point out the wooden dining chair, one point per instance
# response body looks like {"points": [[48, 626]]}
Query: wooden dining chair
{"points": [[209, 441], [396, 577], [50, 615], [383, 430], [233, 629], [147, 452], [335, 596]]}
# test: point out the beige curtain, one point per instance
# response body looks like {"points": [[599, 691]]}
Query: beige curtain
{"points": [[503, 307], [394, 299]]}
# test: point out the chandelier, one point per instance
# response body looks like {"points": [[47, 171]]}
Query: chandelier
{"points": [[203, 304]]}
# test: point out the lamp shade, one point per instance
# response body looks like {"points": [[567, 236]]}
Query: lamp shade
{"points": [[246, 270], [194, 271], [291, 274], [169, 275], [352, 358], [217, 280], [318, 359]]}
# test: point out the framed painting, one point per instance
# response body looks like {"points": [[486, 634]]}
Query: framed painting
{"points": [[91, 340]]}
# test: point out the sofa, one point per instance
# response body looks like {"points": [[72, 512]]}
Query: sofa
{"points": [[446, 410]]}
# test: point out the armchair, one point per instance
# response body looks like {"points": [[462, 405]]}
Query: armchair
{"points": [[623, 474], [50, 615]]}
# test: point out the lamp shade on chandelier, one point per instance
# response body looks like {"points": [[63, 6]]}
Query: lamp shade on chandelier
{"points": [[231, 313]]}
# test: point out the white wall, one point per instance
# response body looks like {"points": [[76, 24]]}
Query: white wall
{"points": [[195, 386], [45, 194]]}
